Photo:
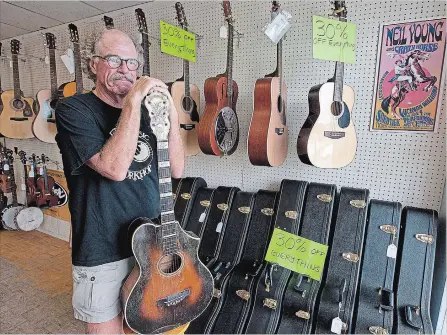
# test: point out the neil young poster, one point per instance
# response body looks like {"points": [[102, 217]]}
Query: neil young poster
{"points": [[409, 69]]}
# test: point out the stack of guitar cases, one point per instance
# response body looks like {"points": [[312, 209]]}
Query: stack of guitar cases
{"points": [[376, 280]]}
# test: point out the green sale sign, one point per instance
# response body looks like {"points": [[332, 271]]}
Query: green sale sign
{"points": [[177, 42], [297, 254]]}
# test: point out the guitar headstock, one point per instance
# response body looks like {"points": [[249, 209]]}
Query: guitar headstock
{"points": [[108, 22], [141, 19], [181, 17], [275, 6], [15, 47], [340, 9], [43, 159], [51, 40], [22, 155], [157, 105], [74, 35], [227, 11]]}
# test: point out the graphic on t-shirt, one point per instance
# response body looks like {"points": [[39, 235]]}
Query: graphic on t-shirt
{"points": [[141, 165]]}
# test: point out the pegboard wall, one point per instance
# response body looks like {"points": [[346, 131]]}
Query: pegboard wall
{"points": [[405, 167]]}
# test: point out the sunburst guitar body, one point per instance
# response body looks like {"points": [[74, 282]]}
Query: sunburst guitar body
{"points": [[16, 119]]}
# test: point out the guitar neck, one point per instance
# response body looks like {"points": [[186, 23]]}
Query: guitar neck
{"points": [[186, 77], [13, 185], [145, 43], [78, 68], [45, 179], [339, 76], [16, 76], [53, 74], [230, 65]]}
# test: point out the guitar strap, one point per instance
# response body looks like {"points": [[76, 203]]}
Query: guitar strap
{"points": [[185, 195], [199, 207], [374, 313], [301, 293]]}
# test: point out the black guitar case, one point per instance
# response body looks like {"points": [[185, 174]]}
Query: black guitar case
{"points": [[215, 222], [184, 197], [175, 185], [270, 286], [374, 312], [301, 293], [414, 272], [195, 222], [228, 255], [336, 307]]}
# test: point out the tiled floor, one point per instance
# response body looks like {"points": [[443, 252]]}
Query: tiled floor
{"points": [[35, 285]]}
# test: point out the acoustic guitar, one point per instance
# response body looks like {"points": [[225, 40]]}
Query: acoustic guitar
{"points": [[76, 86], [169, 286], [17, 117], [327, 138], [44, 126], [268, 134], [186, 98], [219, 127]]}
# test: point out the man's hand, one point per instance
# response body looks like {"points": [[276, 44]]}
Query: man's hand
{"points": [[141, 88]]}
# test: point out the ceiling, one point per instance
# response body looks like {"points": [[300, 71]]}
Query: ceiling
{"points": [[21, 17]]}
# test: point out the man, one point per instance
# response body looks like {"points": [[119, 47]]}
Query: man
{"points": [[109, 156]]}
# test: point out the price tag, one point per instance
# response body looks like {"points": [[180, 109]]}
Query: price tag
{"points": [[68, 60], [219, 227], [391, 251], [279, 26], [6, 167], [297, 254], [202, 217], [334, 40], [336, 325], [177, 42], [223, 33], [47, 60]]}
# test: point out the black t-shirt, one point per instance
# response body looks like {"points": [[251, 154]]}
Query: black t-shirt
{"points": [[102, 209]]}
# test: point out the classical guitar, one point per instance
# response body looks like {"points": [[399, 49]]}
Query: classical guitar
{"points": [[76, 86], [108, 21], [169, 286], [186, 98], [44, 184], [218, 132], [268, 134], [44, 126], [17, 117], [327, 138]]}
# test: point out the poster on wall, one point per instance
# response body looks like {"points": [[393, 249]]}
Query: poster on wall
{"points": [[409, 84], [60, 189]]}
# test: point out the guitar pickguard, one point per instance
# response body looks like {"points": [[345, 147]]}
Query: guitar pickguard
{"points": [[345, 119]]}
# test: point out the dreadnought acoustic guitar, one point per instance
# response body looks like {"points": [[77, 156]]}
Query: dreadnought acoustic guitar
{"points": [[219, 127], [16, 119], [169, 286], [268, 134], [186, 98], [327, 138], [44, 126]]}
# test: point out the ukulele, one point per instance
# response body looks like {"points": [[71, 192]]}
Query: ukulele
{"points": [[169, 286], [327, 138], [17, 117], [186, 99], [108, 21], [45, 184], [145, 44], [268, 134], [44, 126], [218, 132], [76, 86]]}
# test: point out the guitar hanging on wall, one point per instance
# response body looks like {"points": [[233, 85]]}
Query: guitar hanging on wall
{"points": [[186, 99], [169, 286], [17, 117], [219, 127], [268, 134], [327, 138], [44, 126]]}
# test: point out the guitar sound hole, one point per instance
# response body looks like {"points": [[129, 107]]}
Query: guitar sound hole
{"points": [[336, 108], [53, 103], [187, 104], [18, 104], [170, 263], [281, 110]]}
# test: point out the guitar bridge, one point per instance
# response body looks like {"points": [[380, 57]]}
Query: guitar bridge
{"points": [[279, 131], [187, 126], [18, 118], [51, 120], [174, 299], [335, 135]]}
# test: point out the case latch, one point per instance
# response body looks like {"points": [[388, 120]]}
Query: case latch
{"points": [[303, 315], [243, 294], [349, 256], [270, 303], [425, 238], [413, 318], [378, 330], [386, 299]]}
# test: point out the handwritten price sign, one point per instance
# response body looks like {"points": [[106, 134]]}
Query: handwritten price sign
{"points": [[177, 42], [297, 254], [334, 40]]}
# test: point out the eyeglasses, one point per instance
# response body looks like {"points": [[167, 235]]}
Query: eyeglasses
{"points": [[116, 61]]}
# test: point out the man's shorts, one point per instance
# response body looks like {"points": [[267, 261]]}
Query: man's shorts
{"points": [[96, 290]]}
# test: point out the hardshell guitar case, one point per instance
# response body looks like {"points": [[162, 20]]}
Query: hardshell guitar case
{"points": [[375, 308], [301, 293], [414, 272], [336, 305], [184, 197], [195, 222]]}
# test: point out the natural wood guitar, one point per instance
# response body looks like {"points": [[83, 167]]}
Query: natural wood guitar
{"points": [[169, 286], [186, 98], [219, 127], [17, 117], [44, 126], [268, 134], [327, 138]]}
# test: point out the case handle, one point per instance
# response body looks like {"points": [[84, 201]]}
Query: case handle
{"points": [[299, 282], [386, 299], [413, 318]]}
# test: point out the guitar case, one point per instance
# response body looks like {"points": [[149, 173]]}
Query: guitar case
{"points": [[301, 292], [175, 185], [195, 221], [375, 309], [336, 305], [414, 272], [228, 256], [270, 286], [215, 222], [185, 195]]}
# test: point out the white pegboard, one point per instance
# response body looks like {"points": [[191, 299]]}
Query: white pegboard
{"points": [[409, 168]]}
